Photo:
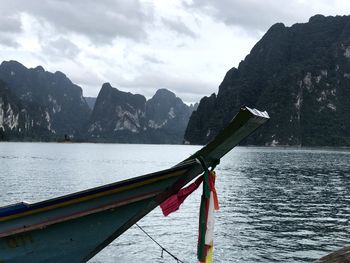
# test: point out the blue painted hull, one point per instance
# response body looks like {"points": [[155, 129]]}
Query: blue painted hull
{"points": [[74, 228], [67, 242]]}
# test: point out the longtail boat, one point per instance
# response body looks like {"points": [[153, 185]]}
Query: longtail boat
{"points": [[75, 227]]}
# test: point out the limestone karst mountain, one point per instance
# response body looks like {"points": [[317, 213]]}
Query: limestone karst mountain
{"points": [[300, 75]]}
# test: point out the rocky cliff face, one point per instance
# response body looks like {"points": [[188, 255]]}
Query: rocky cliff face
{"points": [[117, 115], [166, 117], [39, 105], [49, 103], [20, 119], [124, 117], [300, 75]]}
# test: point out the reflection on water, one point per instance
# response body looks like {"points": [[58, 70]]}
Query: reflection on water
{"points": [[277, 205]]}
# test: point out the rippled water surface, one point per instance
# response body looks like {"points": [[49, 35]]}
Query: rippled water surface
{"points": [[277, 205]]}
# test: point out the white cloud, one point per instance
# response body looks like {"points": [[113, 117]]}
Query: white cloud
{"points": [[186, 88], [141, 46]]}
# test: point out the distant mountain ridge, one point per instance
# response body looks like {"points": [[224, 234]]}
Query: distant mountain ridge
{"points": [[300, 75], [126, 117], [42, 106]]}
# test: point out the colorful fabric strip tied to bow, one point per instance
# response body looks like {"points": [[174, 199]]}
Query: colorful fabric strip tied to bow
{"points": [[173, 202], [209, 203]]}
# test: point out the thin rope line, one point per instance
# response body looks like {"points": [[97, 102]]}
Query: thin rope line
{"points": [[163, 248]]}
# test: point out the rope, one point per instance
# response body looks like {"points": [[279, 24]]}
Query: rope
{"points": [[214, 163], [163, 248]]}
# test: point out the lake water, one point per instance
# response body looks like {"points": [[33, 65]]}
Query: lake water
{"points": [[277, 205]]}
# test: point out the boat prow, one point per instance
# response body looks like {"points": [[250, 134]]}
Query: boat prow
{"points": [[75, 227]]}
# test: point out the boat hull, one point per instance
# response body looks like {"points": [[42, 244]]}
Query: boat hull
{"points": [[71, 240], [76, 227]]}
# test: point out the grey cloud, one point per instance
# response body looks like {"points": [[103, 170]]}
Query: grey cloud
{"points": [[10, 24], [253, 15], [179, 27], [61, 47], [9, 41], [152, 59], [100, 21]]}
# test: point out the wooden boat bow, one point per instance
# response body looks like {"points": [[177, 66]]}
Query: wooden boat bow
{"points": [[83, 223]]}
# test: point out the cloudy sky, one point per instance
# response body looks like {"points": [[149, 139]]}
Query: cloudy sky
{"points": [[141, 46]]}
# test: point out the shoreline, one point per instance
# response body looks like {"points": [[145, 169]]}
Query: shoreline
{"points": [[289, 147]]}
